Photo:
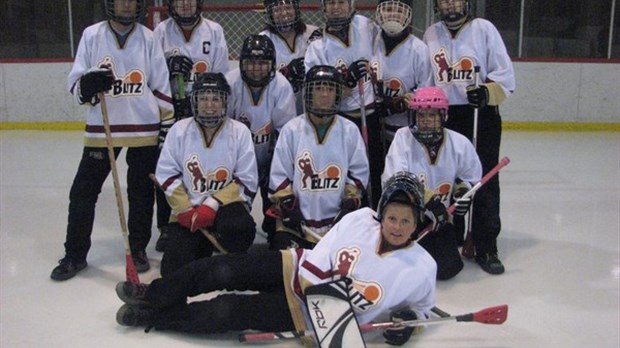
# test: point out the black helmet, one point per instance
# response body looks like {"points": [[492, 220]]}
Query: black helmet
{"points": [[322, 75], [216, 85], [407, 183], [257, 47], [184, 20], [455, 15], [126, 20]]}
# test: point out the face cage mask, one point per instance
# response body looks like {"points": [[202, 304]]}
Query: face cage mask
{"points": [[454, 13], [431, 135], [213, 119], [111, 13], [323, 110], [184, 20], [288, 25], [252, 81], [393, 17]]}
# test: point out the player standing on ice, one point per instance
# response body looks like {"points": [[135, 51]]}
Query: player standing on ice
{"points": [[291, 37], [319, 168], [192, 44], [392, 277], [447, 165], [207, 169], [457, 44], [119, 58], [264, 101], [401, 64]]}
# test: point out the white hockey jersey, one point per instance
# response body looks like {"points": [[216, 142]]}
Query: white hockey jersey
{"points": [[456, 158], [191, 170], [140, 96], [381, 282], [329, 50], [206, 47], [275, 107], [406, 68], [478, 43], [285, 54], [318, 172]]}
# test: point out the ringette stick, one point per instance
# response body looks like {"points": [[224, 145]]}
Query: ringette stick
{"points": [[204, 231], [364, 129], [131, 272], [496, 315], [502, 163], [468, 250]]}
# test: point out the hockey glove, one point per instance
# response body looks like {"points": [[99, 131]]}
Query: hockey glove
{"points": [[461, 204], [182, 108], [294, 73], [291, 213], [93, 82], [391, 106], [164, 127], [348, 205], [199, 217], [436, 212], [399, 335], [478, 97], [179, 65], [357, 70]]}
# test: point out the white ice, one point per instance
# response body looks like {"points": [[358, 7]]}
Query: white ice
{"points": [[560, 245]]}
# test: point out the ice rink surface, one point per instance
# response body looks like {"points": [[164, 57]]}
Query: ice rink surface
{"points": [[560, 245]]}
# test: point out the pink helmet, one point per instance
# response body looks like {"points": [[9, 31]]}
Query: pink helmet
{"points": [[429, 97]]}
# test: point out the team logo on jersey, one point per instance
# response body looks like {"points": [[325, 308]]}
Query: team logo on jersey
{"points": [[261, 135], [443, 189], [210, 182], [393, 87], [462, 70], [363, 294], [328, 179], [130, 84]]}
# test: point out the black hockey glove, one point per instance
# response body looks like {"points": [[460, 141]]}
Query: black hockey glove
{"points": [[357, 70], [182, 108], [346, 206], [478, 97], [94, 82], [179, 65], [294, 73], [164, 127], [461, 204], [391, 106], [291, 213], [436, 212], [399, 335]]}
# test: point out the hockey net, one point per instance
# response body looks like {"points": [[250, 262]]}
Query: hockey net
{"points": [[241, 20]]}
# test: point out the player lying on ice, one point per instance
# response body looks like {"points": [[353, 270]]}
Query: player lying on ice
{"points": [[393, 278]]}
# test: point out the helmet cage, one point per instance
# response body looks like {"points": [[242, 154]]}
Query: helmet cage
{"points": [[393, 16], [408, 184], [428, 98], [452, 12], [257, 47], [289, 24], [184, 20], [125, 20], [340, 21], [209, 90], [320, 78], [427, 131]]}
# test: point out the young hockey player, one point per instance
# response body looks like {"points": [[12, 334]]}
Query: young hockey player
{"points": [[400, 64], [446, 163], [291, 37], [207, 169], [263, 100], [192, 44], [393, 278], [319, 170], [458, 43], [120, 59], [347, 45]]}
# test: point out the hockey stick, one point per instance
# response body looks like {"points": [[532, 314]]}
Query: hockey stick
{"points": [[468, 250], [204, 231], [364, 129], [131, 273], [496, 315], [502, 163], [275, 215]]}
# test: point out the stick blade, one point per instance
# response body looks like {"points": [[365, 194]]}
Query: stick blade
{"points": [[131, 273], [493, 315]]}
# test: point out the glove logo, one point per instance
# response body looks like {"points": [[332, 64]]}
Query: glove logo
{"points": [[363, 294], [462, 70], [201, 183], [328, 179]]}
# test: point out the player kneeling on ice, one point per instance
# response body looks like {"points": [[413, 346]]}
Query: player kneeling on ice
{"points": [[392, 277], [207, 169]]}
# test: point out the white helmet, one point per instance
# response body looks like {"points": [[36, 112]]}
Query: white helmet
{"points": [[393, 16]]}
